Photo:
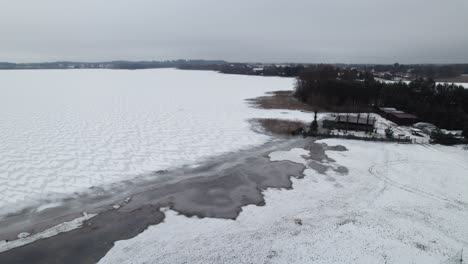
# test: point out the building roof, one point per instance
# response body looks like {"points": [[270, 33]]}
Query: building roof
{"points": [[351, 119], [404, 115], [385, 109], [397, 113], [390, 110]]}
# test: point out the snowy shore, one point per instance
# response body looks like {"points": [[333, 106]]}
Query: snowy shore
{"points": [[397, 204], [244, 197]]}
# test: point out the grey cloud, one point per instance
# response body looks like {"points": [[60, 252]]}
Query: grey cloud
{"points": [[358, 31]]}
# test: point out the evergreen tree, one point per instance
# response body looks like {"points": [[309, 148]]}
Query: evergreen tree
{"points": [[314, 124], [465, 128]]}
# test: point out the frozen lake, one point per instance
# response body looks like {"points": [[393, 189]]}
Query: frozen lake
{"points": [[64, 131]]}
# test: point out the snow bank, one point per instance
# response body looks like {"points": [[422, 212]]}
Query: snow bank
{"points": [[64, 131], [25, 238], [398, 204]]}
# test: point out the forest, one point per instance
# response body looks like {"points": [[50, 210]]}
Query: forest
{"points": [[290, 70], [349, 90]]}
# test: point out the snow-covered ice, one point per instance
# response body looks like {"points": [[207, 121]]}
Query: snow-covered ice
{"points": [[64, 131], [398, 204]]}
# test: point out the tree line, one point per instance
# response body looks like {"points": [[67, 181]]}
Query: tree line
{"points": [[435, 71], [249, 69], [325, 86]]}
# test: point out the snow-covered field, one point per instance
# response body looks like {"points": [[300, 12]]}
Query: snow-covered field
{"points": [[64, 131], [397, 204], [465, 85]]}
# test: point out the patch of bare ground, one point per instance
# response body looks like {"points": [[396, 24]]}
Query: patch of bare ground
{"points": [[278, 126], [285, 100], [280, 100]]}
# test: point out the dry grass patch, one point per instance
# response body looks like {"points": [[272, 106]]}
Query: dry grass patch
{"points": [[280, 100], [279, 126]]}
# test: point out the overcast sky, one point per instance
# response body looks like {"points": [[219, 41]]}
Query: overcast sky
{"points": [[349, 31]]}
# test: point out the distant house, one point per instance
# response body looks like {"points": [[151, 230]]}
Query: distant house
{"points": [[353, 122], [403, 118], [397, 116]]}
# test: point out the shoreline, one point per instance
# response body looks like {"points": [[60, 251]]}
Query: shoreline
{"points": [[215, 189]]}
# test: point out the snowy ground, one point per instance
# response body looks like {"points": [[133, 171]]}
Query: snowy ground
{"points": [[65, 131], [397, 204], [380, 125], [465, 85]]}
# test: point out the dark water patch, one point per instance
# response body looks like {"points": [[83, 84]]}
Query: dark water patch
{"points": [[89, 243], [99, 199], [337, 148], [224, 196], [318, 167], [218, 188], [342, 170], [317, 151]]}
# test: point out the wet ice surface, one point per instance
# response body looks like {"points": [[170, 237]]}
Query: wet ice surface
{"points": [[65, 131], [365, 202], [345, 200], [215, 189], [26, 238], [374, 203]]}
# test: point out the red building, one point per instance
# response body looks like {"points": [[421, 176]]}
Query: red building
{"points": [[398, 117]]}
